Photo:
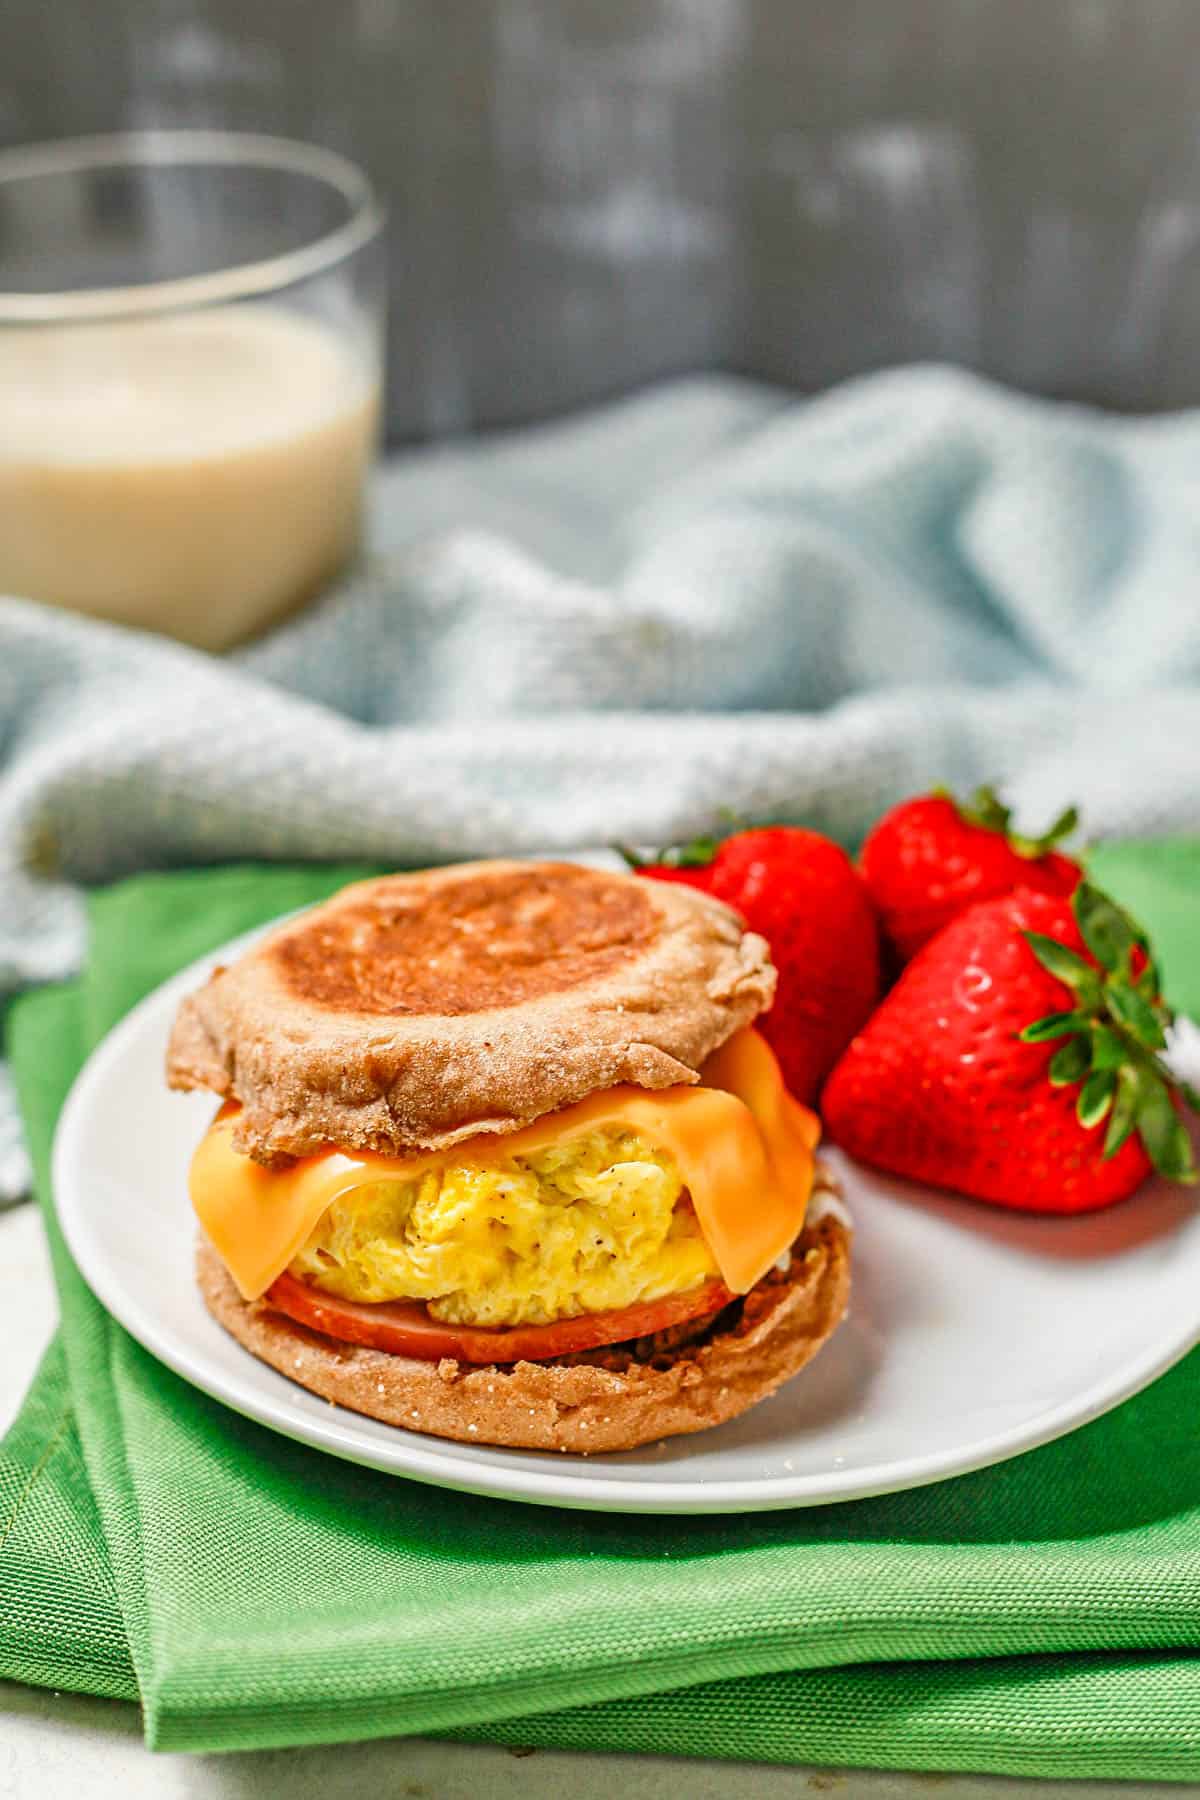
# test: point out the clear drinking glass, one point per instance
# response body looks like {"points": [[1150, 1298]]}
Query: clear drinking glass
{"points": [[191, 360]]}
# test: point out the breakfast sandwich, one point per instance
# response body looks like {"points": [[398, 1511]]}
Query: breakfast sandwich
{"points": [[501, 1158]]}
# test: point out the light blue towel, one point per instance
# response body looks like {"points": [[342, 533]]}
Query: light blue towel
{"points": [[710, 596]]}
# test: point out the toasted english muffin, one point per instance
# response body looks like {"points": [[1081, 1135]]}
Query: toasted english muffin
{"points": [[416, 1011], [609, 1399]]}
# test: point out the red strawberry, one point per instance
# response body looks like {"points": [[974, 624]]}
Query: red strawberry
{"points": [[801, 891], [953, 1080], [929, 858]]}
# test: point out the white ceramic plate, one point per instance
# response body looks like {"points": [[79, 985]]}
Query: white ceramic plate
{"points": [[973, 1334]]}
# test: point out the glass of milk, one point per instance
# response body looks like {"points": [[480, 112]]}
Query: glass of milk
{"points": [[191, 356]]}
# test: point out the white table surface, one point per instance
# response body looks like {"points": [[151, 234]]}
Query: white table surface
{"points": [[56, 1744]]}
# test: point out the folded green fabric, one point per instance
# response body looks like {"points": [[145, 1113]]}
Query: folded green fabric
{"points": [[1039, 1617]]}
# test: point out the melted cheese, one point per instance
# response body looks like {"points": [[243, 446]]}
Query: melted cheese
{"points": [[743, 1146]]}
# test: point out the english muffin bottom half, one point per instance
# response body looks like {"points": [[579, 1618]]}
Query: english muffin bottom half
{"points": [[501, 1158]]}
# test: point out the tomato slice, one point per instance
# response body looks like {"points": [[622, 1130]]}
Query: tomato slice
{"points": [[405, 1328]]}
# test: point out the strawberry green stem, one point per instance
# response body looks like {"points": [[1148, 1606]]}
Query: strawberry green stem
{"points": [[986, 809], [1115, 1034]]}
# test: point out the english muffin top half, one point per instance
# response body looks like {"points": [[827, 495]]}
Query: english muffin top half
{"points": [[415, 1011]]}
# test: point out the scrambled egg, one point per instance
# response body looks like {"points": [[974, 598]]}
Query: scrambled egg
{"points": [[599, 1222]]}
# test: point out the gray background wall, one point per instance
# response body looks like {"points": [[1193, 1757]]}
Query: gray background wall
{"points": [[589, 193]]}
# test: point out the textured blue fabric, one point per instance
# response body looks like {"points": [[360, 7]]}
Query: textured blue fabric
{"points": [[712, 595]]}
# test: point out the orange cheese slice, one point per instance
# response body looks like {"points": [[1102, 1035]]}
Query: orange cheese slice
{"points": [[743, 1147]]}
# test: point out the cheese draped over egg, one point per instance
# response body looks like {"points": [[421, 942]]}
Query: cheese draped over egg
{"points": [[624, 1197]]}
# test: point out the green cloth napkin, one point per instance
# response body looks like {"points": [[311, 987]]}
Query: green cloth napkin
{"points": [[1041, 1617]]}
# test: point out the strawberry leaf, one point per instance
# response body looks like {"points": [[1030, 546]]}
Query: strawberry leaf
{"points": [[1066, 965], [1133, 1010], [1109, 1050], [1066, 822], [1095, 1097], [1123, 1122], [1033, 847], [1166, 1142], [1105, 929], [694, 855], [1071, 1063], [1054, 1025], [986, 808]]}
